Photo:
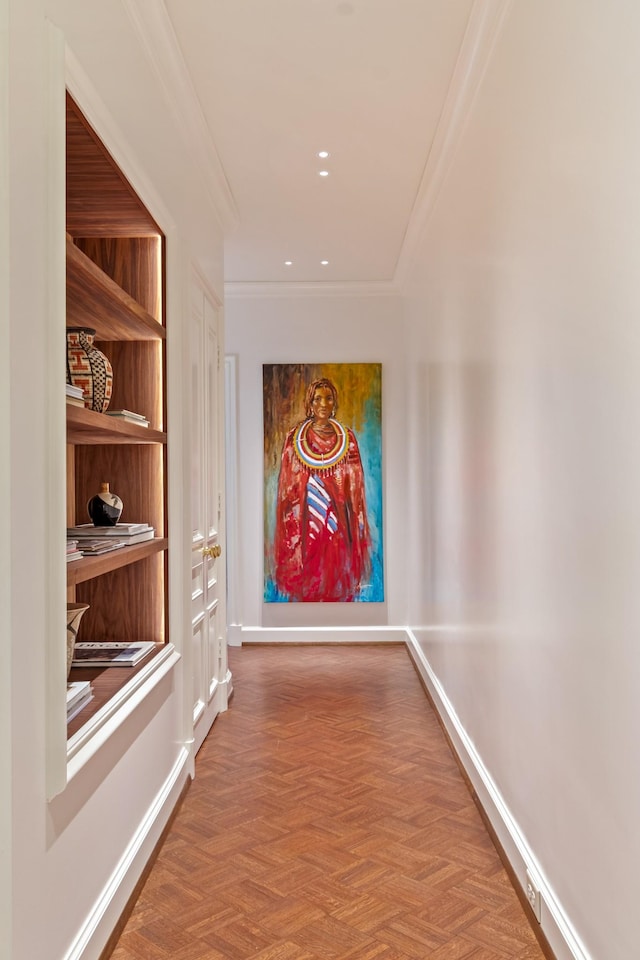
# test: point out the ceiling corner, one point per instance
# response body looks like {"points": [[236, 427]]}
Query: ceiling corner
{"points": [[157, 36], [483, 28]]}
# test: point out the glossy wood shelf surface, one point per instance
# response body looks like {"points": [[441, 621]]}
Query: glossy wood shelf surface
{"points": [[106, 682], [95, 300], [88, 427], [79, 571]]}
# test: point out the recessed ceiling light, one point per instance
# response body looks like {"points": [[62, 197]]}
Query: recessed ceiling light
{"points": [[324, 263], [324, 173], [323, 154], [288, 263]]}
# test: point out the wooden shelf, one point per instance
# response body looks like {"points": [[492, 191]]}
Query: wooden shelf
{"points": [[79, 571], [106, 682], [85, 426], [95, 300]]}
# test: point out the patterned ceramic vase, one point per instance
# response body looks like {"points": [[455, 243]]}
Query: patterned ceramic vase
{"points": [[74, 616], [87, 367], [105, 508]]}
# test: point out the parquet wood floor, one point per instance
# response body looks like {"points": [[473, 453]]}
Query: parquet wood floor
{"points": [[328, 821]]}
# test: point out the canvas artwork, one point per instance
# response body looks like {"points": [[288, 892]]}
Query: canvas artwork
{"points": [[323, 482]]}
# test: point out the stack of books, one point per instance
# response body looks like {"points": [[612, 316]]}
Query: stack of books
{"points": [[92, 548], [75, 395], [129, 416], [79, 693], [94, 540], [72, 551]]}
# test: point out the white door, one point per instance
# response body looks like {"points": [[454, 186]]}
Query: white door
{"points": [[208, 619]]}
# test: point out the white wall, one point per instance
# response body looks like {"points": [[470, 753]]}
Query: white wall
{"points": [[524, 346], [70, 876], [330, 329], [5, 546]]}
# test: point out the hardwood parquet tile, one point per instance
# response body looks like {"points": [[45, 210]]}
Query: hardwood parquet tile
{"points": [[285, 951], [415, 937], [367, 913], [331, 938], [328, 821]]}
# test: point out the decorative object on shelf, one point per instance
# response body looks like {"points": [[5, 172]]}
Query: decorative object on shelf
{"points": [[87, 367], [74, 616], [105, 508]]}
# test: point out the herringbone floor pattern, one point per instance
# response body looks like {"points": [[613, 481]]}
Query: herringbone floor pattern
{"points": [[328, 821]]}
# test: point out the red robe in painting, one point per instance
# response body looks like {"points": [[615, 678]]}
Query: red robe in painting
{"points": [[322, 543]]}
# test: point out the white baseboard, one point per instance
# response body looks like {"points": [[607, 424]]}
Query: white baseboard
{"points": [[103, 919], [556, 926], [321, 635]]}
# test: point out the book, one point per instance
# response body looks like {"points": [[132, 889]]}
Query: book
{"points": [[75, 402], [76, 691], [111, 654], [141, 537], [74, 555], [79, 694], [127, 413], [72, 391], [117, 530], [135, 420], [71, 714], [107, 544], [91, 548]]}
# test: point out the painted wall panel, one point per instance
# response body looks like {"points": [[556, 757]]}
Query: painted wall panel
{"points": [[525, 387]]}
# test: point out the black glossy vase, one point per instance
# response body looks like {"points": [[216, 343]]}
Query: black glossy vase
{"points": [[105, 508]]}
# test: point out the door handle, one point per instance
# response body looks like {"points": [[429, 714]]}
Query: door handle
{"points": [[212, 552]]}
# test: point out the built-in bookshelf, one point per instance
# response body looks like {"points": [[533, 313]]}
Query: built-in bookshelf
{"points": [[115, 285]]}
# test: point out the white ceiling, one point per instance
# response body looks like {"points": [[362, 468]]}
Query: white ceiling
{"points": [[279, 80]]}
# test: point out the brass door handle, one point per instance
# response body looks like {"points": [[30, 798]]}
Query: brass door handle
{"points": [[212, 552]]}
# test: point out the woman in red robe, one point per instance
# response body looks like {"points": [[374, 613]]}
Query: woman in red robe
{"points": [[322, 542]]}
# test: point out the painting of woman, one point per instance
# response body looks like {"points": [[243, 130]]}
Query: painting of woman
{"points": [[322, 547]]}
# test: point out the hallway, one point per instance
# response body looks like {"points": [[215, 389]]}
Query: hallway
{"points": [[328, 820]]}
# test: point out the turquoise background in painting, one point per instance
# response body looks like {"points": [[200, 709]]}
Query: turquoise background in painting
{"points": [[359, 388]]}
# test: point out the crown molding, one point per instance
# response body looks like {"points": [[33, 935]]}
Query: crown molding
{"points": [[483, 28], [234, 290], [157, 36]]}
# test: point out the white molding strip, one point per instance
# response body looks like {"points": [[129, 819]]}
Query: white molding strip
{"points": [[485, 22], [157, 36], [297, 635], [55, 534], [235, 290], [556, 926], [6, 702], [232, 493], [102, 920]]}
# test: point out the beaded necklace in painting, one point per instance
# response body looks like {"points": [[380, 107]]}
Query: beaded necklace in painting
{"points": [[320, 461]]}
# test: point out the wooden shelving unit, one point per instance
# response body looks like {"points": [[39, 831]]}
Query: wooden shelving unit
{"points": [[115, 285]]}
